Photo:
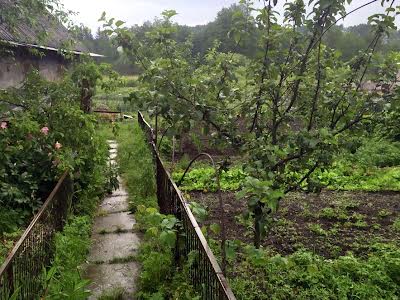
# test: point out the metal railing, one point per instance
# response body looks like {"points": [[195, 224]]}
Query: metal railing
{"points": [[21, 273], [205, 273]]}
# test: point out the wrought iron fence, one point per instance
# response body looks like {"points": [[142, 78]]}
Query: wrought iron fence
{"points": [[21, 273], [205, 273]]}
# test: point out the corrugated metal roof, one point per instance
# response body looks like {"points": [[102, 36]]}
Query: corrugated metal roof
{"points": [[43, 32]]}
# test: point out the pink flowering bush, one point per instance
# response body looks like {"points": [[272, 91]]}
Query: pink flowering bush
{"points": [[45, 130], [38, 145], [26, 172]]}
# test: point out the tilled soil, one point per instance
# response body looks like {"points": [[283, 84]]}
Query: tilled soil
{"points": [[330, 223]]}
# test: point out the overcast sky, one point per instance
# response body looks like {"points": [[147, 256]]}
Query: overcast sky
{"points": [[190, 12]]}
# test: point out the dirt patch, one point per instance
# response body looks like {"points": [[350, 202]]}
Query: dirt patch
{"points": [[329, 224]]}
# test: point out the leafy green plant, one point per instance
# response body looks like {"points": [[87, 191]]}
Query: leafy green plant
{"points": [[396, 225], [7, 242], [304, 275], [159, 277], [384, 213], [199, 211], [64, 279], [379, 153], [328, 212], [203, 179], [317, 229]]}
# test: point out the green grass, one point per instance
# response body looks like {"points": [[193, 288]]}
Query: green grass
{"points": [[337, 178], [106, 130], [72, 246], [136, 165], [158, 279]]}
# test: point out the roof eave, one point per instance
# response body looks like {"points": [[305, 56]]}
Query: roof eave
{"points": [[95, 55]]}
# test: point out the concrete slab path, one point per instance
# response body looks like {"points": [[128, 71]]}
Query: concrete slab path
{"points": [[111, 262]]}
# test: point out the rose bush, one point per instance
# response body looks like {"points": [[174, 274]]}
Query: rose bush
{"points": [[39, 142]]}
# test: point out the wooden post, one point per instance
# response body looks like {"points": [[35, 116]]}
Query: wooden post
{"points": [[10, 279], [156, 133]]}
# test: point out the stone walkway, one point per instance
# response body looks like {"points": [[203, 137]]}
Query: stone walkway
{"points": [[111, 262]]}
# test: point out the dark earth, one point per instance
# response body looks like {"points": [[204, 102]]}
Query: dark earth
{"points": [[329, 224]]}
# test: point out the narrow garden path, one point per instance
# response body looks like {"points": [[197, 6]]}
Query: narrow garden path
{"points": [[111, 261]]}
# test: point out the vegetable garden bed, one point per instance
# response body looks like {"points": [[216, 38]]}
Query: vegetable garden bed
{"points": [[329, 224]]}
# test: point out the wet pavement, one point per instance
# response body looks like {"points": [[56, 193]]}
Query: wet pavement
{"points": [[111, 262]]}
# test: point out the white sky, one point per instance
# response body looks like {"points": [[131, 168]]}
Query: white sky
{"points": [[190, 12]]}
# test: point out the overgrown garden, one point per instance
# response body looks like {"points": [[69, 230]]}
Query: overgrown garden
{"points": [[302, 145], [308, 158]]}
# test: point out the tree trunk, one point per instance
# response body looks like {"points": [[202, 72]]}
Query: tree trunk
{"points": [[86, 97], [257, 226]]}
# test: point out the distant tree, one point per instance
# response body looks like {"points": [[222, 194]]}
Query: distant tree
{"points": [[83, 33], [221, 30]]}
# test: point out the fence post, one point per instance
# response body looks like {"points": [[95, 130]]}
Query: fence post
{"points": [[10, 279]]}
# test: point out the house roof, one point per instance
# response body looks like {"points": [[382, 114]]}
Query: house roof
{"points": [[44, 32]]}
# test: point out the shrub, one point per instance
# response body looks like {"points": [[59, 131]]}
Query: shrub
{"points": [[379, 153], [51, 135]]}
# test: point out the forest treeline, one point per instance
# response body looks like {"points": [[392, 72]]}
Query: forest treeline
{"points": [[347, 40]]}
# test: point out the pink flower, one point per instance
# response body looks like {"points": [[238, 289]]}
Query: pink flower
{"points": [[3, 125], [45, 130], [57, 145]]}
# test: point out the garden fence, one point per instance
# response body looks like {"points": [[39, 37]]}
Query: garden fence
{"points": [[22, 272], [205, 273]]}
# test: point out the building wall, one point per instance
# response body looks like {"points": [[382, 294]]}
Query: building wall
{"points": [[14, 68]]}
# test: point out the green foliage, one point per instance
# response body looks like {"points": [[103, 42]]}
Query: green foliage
{"points": [[159, 277], [48, 136], [291, 108], [72, 246], [136, 163], [7, 242], [203, 179], [346, 177], [304, 275], [199, 211], [41, 142], [378, 153], [389, 127], [96, 75], [316, 228], [396, 225], [328, 213]]}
